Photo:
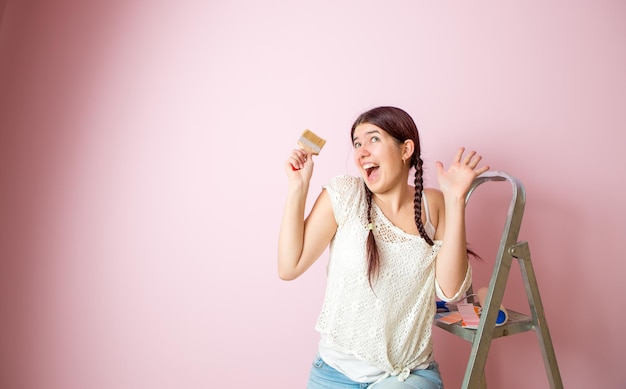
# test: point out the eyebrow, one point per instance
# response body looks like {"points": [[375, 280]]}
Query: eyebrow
{"points": [[367, 133]]}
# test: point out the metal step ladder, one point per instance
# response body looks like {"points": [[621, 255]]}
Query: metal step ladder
{"points": [[517, 322]]}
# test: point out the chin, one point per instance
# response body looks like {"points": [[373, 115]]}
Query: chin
{"points": [[374, 187]]}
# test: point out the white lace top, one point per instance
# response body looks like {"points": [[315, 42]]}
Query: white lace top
{"points": [[372, 334]]}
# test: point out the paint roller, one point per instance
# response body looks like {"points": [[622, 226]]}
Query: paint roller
{"points": [[503, 315]]}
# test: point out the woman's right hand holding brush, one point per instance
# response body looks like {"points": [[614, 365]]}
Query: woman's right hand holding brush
{"points": [[299, 166]]}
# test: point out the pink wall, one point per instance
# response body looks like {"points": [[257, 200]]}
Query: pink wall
{"points": [[141, 150]]}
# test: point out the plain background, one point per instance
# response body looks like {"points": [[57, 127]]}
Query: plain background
{"points": [[141, 162]]}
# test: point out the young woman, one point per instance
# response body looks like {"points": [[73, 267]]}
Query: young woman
{"points": [[393, 248]]}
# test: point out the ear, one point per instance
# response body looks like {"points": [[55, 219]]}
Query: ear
{"points": [[408, 148]]}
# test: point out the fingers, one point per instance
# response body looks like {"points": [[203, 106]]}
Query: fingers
{"points": [[468, 158], [298, 158], [459, 154], [481, 170], [471, 159], [439, 166]]}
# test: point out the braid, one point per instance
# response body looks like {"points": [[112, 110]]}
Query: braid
{"points": [[373, 259], [417, 204]]}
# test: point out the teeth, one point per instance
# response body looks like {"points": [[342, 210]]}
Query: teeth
{"points": [[369, 166]]}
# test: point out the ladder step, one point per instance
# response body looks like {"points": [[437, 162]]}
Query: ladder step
{"points": [[517, 323]]}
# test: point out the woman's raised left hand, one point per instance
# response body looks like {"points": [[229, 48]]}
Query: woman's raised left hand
{"points": [[457, 180]]}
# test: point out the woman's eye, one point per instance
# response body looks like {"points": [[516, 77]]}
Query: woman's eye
{"points": [[375, 139], [356, 145]]}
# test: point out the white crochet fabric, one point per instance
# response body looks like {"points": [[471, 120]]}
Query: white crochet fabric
{"points": [[388, 327]]}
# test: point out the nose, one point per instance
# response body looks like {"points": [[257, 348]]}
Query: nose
{"points": [[362, 151]]}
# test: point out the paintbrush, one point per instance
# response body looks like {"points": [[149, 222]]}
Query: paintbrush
{"points": [[310, 143]]}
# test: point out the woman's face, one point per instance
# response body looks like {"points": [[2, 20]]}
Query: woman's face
{"points": [[378, 156]]}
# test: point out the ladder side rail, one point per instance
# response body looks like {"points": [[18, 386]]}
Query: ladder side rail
{"points": [[481, 179], [484, 333], [474, 374], [522, 253]]}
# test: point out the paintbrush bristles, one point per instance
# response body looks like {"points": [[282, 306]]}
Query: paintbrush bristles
{"points": [[311, 142]]}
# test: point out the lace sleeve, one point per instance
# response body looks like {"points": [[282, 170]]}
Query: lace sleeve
{"points": [[343, 191]]}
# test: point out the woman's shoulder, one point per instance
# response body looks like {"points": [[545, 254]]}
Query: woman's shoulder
{"points": [[433, 193], [344, 189], [434, 198]]}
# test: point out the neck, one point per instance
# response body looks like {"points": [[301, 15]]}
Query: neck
{"points": [[395, 200]]}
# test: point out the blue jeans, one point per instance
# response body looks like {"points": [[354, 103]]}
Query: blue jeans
{"points": [[324, 376]]}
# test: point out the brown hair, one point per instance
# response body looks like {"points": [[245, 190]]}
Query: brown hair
{"points": [[401, 127]]}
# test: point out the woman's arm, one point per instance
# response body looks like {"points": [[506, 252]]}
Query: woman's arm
{"points": [[300, 241], [451, 265]]}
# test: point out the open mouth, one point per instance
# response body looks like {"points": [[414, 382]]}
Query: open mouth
{"points": [[370, 168]]}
